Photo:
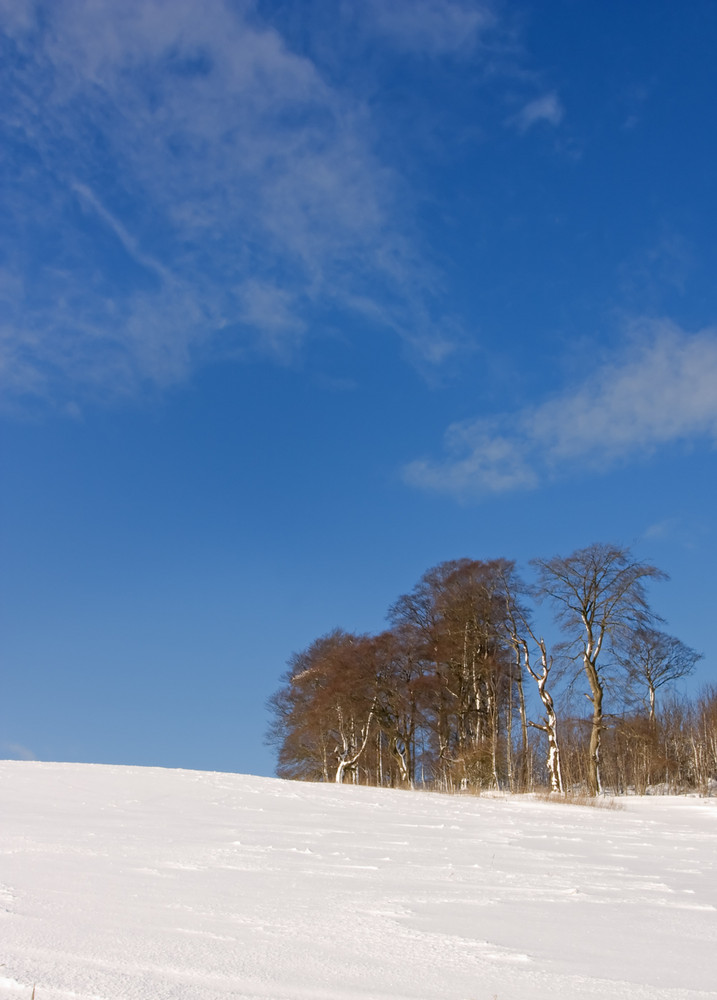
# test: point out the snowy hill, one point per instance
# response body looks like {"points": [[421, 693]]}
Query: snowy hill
{"points": [[121, 883]]}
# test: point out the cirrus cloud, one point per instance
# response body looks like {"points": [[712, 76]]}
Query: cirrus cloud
{"points": [[546, 108], [660, 392], [180, 183], [432, 27]]}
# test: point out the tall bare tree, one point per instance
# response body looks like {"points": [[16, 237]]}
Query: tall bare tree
{"points": [[521, 636], [600, 600], [653, 659]]}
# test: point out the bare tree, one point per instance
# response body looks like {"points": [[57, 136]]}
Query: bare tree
{"points": [[600, 600], [653, 659], [520, 630], [549, 725]]}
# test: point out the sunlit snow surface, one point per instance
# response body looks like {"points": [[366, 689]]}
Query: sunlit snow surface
{"points": [[119, 883]]}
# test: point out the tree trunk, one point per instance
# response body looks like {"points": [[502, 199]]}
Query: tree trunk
{"points": [[550, 726], [524, 754], [596, 696], [347, 759]]}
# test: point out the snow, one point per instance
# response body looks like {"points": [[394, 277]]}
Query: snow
{"points": [[119, 883]]}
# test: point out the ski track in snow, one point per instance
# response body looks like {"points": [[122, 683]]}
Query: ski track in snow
{"points": [[121, 883]]}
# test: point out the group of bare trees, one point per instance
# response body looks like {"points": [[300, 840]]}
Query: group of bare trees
{"points": [[461, 691]]}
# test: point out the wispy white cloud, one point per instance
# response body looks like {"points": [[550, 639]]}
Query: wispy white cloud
{"points": [[661, 529], [547, 108], [17, 14], [16, 751], [126, 239], [187, 185], [660, 392], [660, 269], [274, 312], [432, 27]]}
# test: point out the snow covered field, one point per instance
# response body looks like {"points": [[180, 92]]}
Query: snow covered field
{"points": [[121, 882]]}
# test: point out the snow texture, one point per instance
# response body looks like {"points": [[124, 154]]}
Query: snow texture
{"points": [[119, 883]]}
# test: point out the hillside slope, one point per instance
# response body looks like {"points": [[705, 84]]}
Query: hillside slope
{"points": [[119, 883]]}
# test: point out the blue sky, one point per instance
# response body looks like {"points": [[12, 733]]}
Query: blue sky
{"points": [[298, 299]]}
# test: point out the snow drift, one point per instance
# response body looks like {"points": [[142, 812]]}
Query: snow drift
{"points": [[119, 883]]}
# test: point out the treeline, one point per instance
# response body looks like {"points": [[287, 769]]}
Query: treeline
{"points": [[446, 696]]}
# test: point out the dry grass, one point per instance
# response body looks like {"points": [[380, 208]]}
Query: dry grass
{"points": [[582, 799]]}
